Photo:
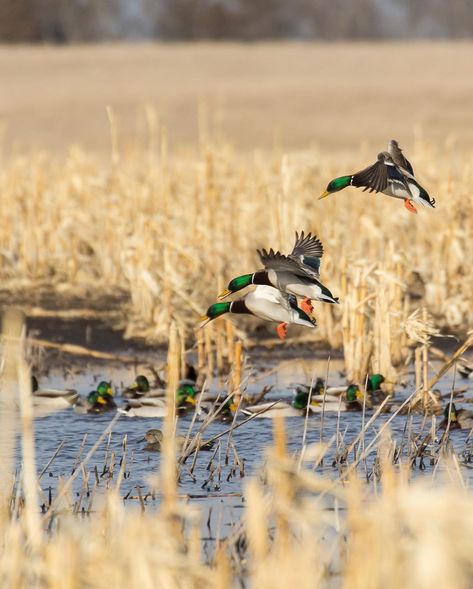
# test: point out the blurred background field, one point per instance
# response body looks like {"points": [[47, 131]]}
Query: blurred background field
{"points": [[294, 95]]}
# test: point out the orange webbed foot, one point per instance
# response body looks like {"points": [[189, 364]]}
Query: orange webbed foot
{"points": [[306, 306], [282, 330], [410, 206]]}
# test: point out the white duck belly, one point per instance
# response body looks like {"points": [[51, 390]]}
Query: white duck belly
{"points": [[147, 407], [268, 305], [271, 410]]}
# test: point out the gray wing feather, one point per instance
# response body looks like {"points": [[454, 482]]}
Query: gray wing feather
{"points": [[398, 157], [280, 263], [374, 178], [307, 245]]}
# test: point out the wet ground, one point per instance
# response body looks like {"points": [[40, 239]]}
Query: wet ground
{"points": [[218, 489]]}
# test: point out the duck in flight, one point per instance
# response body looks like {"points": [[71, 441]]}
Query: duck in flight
{"points": [[392, 175], [297, 273], [267, 303]]}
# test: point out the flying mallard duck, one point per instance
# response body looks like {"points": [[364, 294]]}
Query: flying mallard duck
{"points": [[297, 273], [267, 303], [457, 418], [52, 399], [392, 174], [98, 401]]}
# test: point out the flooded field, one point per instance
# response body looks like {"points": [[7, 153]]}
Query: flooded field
{"points": [[215, 480]]}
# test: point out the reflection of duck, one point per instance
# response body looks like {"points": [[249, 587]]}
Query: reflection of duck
{"points": [[98, 401], [52, 399], [458, 418]]}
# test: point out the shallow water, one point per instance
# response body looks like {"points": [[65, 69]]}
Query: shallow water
{"points": [[222, 494]]}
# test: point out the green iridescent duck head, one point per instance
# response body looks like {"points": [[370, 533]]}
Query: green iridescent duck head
{"points": [[335, 185], [374, 382], [105, 388], [186, 394], [93, 397], [301, 398], [141, 384], [353, 394]]}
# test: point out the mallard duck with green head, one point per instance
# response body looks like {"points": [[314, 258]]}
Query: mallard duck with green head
{"points": [[374, 393], [353, 398], [98, 401], [392, 174], [457, 418], [296, 408], [267, 303], [297, 273], [140, 387], [52, 399]]}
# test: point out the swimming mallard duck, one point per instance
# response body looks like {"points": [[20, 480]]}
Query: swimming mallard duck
{"points": [[52, 399], [186, 394], [297, 273], [98, 401], [353, 398], [267, 303], [319, 394], [458, 418], [375, 395], [145, 407], [392, 175], [296, 408], [141, 388], [154, 437]]}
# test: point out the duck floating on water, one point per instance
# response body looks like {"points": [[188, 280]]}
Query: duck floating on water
{"points": [[155, 437], [267, 303], [297, 273], [98, 401], [456, 418], [52, 399], [392, 175]]}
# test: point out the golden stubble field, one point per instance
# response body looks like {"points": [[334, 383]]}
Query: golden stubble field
{"points": [[156, 171], [205, 154]]}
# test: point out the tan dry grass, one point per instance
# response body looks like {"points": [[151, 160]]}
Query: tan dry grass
{"points": [[336, 95]]}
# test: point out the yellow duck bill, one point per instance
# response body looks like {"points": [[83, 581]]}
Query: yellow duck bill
{"points": [[224, 294], [324, 194]]}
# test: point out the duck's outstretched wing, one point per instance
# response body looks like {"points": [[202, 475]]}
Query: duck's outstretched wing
{"points": [[280, 263], [377, 177], [308, 250], [373, 178], [398, 157]]}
